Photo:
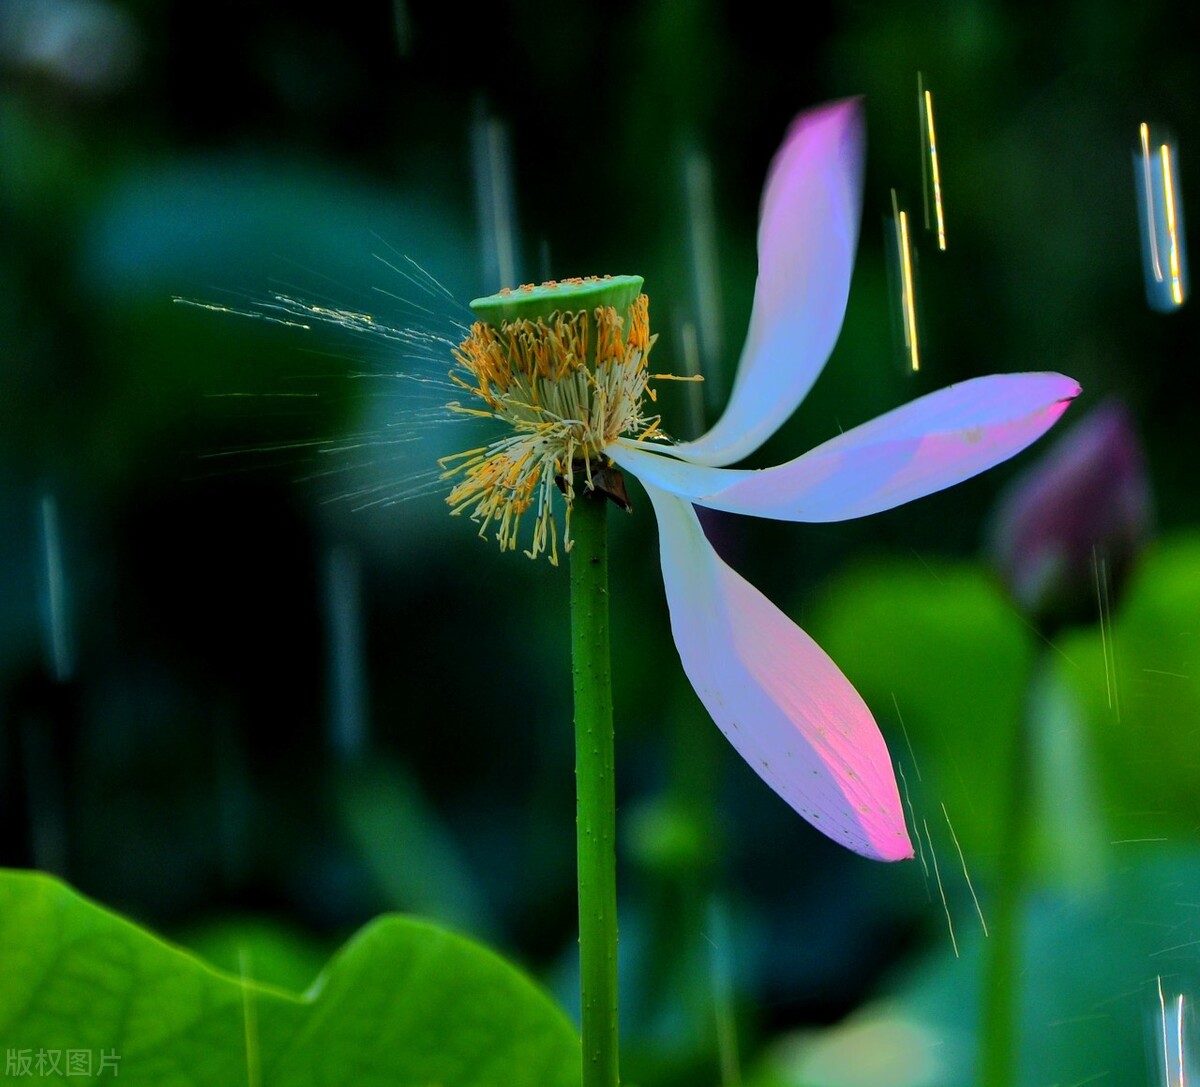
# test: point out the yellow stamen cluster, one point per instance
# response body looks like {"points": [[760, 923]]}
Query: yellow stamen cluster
{"points": [[566, 385]]}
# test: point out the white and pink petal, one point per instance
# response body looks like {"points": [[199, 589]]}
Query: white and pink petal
{"points": [[922, 447], [917, 449], [807, 236], [776, 695]]}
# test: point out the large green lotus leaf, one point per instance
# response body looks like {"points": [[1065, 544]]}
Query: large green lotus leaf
{"points": [[937, 651], [1137, 679], [403, 1004]]}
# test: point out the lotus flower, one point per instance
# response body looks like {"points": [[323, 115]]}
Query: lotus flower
{"points": [[772, 691]]}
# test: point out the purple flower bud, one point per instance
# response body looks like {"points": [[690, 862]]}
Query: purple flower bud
{"points": [[1086, 503]]}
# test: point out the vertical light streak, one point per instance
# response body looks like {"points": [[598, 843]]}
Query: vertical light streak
{"points": [[54, 592], [1166, 1041], [907, 741], [941, 890], [1174, 1059], [347, 684], [908, 298], [1160, 211], [934, 171], [1148, 183], [922, 127], [912, 815], [495, 202], [1173, 261], [1179, 1039], [966, 875], [702, 249], [1107, 644]]}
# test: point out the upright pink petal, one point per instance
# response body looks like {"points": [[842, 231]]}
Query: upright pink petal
{"points": [[922, 447], [776, 696], [807, 235]]}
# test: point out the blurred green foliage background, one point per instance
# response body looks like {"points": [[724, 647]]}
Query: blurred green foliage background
{"points": [[257, 687]]}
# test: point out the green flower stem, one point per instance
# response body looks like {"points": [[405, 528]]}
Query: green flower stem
{"points": [[999, 1044], [596, 814]]}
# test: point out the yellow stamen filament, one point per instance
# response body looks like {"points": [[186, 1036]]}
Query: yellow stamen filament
{"points": [[566, 386]]}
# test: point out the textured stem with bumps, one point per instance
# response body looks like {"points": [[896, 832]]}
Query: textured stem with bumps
{"points": [[595, 790]]}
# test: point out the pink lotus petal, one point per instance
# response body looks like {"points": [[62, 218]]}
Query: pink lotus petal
{"points": [[807, 235], [776, 696], [917, 449]]}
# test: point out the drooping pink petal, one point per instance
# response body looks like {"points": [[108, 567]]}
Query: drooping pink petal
{"points": [[808, 231], [921, 447], [776, 696]]}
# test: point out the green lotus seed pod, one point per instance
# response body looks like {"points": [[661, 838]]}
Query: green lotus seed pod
{"points": [[529, 302]]}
